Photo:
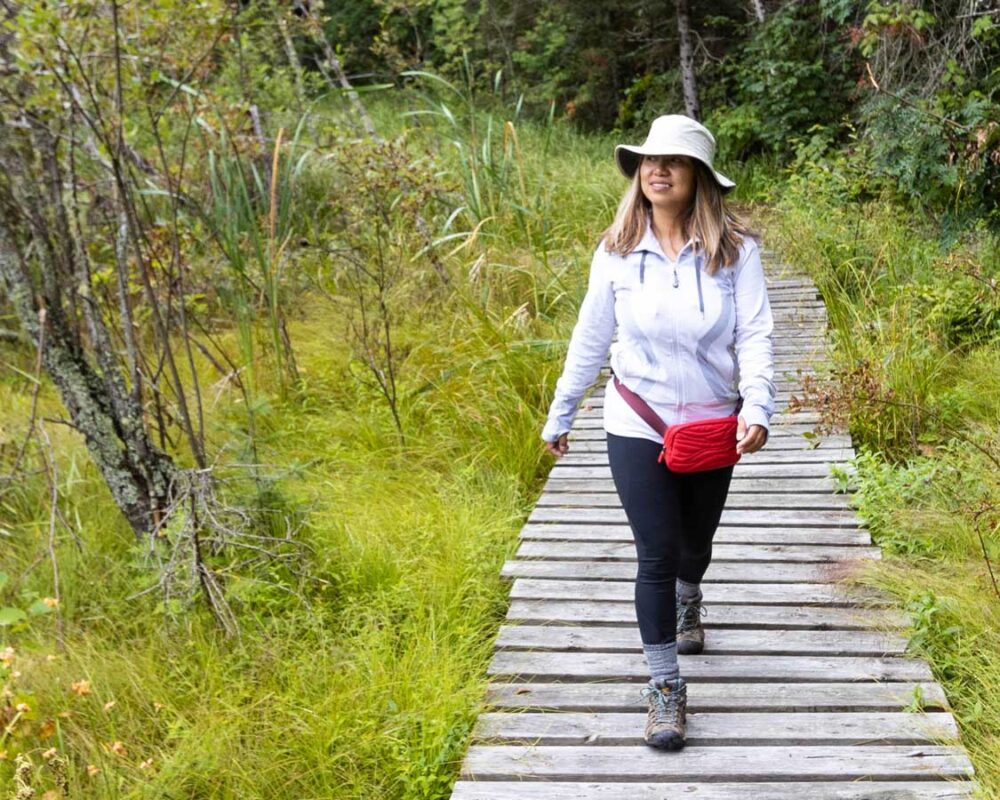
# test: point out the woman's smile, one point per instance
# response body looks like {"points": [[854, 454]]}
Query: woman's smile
{"points": [[670, 178]]}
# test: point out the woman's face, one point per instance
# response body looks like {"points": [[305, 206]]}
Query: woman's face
{"points": [[668, 180]]}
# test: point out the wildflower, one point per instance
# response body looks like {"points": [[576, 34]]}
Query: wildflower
{"points": [[6, 656], [92, 770], [146, 764], [47, 728], [22, 708], [64, 714], [49, 754], [15, 674], [109, 705], [81, 687], [118, 748], [51, 602], [157, 706]]}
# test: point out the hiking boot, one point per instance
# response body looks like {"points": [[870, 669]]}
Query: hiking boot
{"points": [[667, 718], [690, 634]]}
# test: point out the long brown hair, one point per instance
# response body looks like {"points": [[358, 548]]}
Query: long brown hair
{"points": [[719, 230]]}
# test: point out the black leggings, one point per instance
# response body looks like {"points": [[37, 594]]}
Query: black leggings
{"points": [[673, 517]]}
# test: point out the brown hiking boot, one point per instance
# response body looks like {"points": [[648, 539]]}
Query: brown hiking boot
{"points": [[666, 722], [690, 633]]}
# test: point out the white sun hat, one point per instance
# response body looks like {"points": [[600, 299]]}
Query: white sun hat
{"points": [[669, 135]]}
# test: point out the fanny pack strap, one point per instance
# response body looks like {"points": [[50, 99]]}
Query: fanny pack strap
{"points": [[641, 407]]}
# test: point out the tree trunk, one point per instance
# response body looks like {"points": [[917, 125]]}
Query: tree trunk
{"points": [[688, 81], [758, 10], [333, 63], [139, 475]]}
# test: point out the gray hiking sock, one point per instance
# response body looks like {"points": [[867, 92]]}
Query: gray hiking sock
{"points": [[662, 660], [688, 593]]}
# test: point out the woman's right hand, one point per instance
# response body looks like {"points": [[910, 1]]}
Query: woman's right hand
{"points": [[559, 447]]}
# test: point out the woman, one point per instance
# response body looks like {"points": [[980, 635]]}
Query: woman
{"points": [[680, 277]]}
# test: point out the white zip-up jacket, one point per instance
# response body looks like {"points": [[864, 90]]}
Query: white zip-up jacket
{"points": [[689, 343]]}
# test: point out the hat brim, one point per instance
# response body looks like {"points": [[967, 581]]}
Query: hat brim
{"points": [[627, 158]]}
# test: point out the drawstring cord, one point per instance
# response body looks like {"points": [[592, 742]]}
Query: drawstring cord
{"points": [[701, 300]]}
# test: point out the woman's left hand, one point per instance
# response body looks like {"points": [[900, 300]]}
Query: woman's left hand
{"points": [[749, 441]]}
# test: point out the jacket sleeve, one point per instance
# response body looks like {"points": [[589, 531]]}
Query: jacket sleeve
{"points": [[754, 338], [588, 347]]}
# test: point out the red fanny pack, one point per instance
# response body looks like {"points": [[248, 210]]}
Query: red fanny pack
{"points": [[689, 446]]}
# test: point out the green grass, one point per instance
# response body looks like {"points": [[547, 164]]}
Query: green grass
{"points": [[365, 680]]}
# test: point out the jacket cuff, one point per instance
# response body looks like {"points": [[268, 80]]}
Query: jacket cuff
{"points": [[755, 415], [553, 429]]}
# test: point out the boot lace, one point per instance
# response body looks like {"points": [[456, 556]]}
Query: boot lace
{"points": [[666, 709], [688, 616]]}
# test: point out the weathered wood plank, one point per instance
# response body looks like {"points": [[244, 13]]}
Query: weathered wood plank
{"points": [[708, 697], [723, 615], [725, 572], [739, 484], [736, 501], [585, 666], [805, 594], [749, 790], [746, 469], [787, 762], [724, 534], [726, 729], [778, 517], [619, 639], [624, 551], [721, 572], [737, 594]]}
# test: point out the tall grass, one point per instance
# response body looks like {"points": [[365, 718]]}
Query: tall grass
{"points": [[253, 213]]}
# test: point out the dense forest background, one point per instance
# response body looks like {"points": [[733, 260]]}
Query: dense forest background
{"points": [[284, 290], [909, 87]]}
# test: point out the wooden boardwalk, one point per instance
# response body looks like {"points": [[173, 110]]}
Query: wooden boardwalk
{"points": [[803, 690]]}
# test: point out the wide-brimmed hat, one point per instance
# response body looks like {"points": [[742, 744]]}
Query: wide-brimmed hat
{"points": [[670, 135]]}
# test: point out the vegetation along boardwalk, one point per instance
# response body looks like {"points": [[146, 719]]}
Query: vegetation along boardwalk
{"points": [[803, 690]]}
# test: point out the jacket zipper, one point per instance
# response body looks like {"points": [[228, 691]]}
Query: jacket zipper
{"points": [[701, 300]]}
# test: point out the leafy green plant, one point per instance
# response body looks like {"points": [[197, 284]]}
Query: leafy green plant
{"points": [[30, 605], [789, 75]]}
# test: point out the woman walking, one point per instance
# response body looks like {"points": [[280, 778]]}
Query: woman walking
{"points": [[680, 277]]}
